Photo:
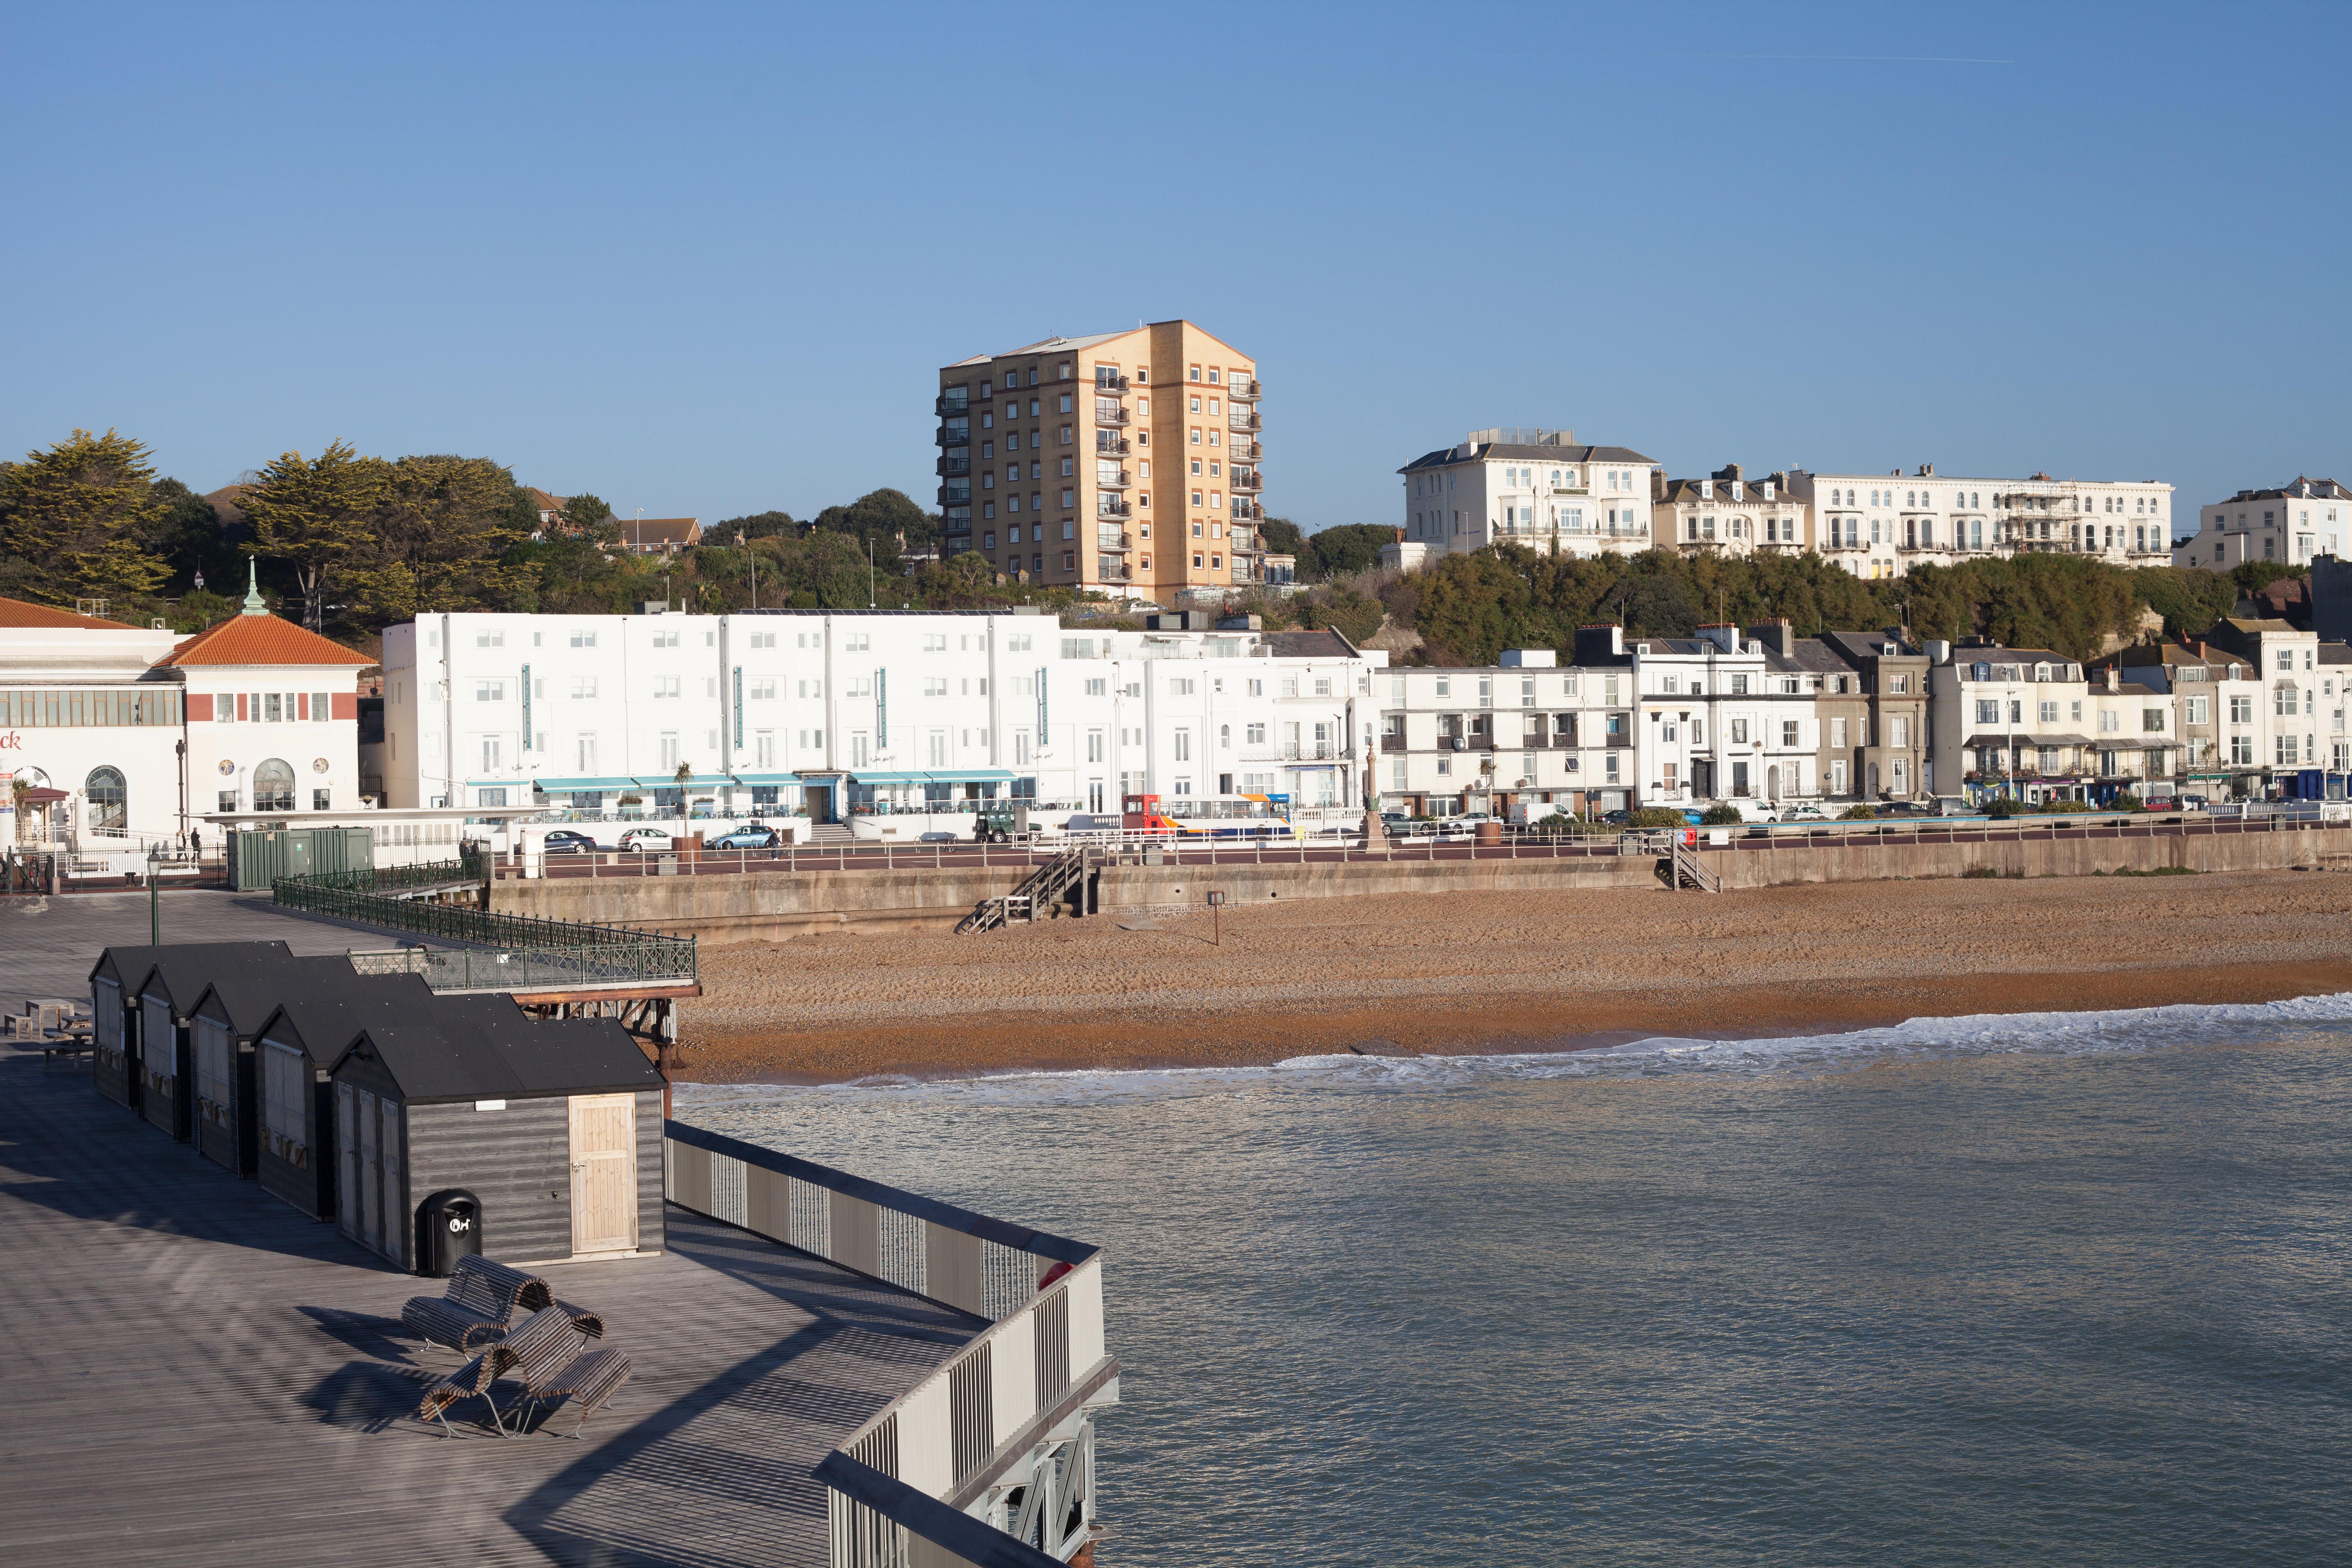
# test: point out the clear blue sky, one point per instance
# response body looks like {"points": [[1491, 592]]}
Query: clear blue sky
{"points": [[705, 260]]}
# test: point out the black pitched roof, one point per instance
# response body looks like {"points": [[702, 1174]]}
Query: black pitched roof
{"points": [[325, 1018], [1445, 455], [1308, 644], [246, 995], [454, 1058], [185, 968], [1856, 647]]}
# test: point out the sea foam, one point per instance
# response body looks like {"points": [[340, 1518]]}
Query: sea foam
{"points": [[2121, 1031]]}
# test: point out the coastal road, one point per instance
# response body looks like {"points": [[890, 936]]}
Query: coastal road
{"points": [[943, 857]]}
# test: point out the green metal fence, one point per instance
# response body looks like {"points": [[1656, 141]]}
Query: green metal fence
{"points": [[527, 952]]}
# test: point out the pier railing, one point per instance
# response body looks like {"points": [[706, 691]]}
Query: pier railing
{"points": [[551, 953], [990, 1459]]}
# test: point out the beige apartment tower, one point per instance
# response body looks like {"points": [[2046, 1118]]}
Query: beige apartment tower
{"points": [[1122, 461]]}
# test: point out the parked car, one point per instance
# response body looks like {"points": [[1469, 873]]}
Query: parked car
{"points": [[1906, 808], [2192, 803], [647, 840], [751, 836], [1804, 811], [564, 841]]}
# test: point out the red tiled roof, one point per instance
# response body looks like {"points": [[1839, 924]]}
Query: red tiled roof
{"points": [[18, 613], [259, 639]]}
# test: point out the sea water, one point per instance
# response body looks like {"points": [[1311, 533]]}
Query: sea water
{"points": [[2047, 1288]]}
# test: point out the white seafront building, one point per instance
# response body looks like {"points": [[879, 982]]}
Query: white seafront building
{"points": [[858, 716], [1535, 487], [126, 736]]}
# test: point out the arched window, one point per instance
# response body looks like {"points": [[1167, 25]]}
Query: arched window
{"points": [[1225, 737], [273, 786], [109, 802]]}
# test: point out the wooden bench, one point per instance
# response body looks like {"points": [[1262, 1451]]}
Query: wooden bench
{"points": [[544, 1355], [475, 1378], [480, 1303]]}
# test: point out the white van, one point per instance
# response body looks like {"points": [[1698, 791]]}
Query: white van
{"points": [[1753, 810]]}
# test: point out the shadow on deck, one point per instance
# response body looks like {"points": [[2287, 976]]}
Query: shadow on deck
{"points": [[199, 1374]]}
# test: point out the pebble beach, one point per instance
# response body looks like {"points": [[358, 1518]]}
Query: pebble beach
{"points": [[1461, 973]]}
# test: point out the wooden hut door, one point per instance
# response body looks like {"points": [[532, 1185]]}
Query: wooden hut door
{"points": [[604, 1173], [370, 1213]]}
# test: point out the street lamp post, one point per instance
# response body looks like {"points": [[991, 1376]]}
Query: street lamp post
{"points": [[154, 896]]}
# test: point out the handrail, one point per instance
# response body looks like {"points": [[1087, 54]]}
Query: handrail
{"points": [[1015, 1393], [605, 954]]}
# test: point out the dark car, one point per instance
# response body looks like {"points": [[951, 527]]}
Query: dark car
{"points": [[748, 838], [563, 841]]}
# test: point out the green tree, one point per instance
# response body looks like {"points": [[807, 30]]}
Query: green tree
{"points": [[830, 568], [882, 519], [2189, 598], [187, 531], [1350, 547], [318, 516], [445, 525], [584, 514], [83, 513], [756, 525]]}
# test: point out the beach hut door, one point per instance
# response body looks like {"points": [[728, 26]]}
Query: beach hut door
{"points": [[371, 1228], [604, 1173]]}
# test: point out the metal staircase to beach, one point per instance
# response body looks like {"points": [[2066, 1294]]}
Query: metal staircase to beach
{"points": [[1042, 888], [1686, 870]]}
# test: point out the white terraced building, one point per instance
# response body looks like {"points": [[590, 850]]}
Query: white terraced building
{"points": [[854, 716], [1882, 525], [1530, 487]]}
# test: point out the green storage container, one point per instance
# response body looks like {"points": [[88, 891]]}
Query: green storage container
{"points": [[256, 860]]}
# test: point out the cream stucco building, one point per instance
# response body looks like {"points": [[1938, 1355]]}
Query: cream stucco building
{"points": [[1123, 461]]}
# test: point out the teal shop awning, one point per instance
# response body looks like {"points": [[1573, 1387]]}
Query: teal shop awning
{"points": [[564, 787], [696, 781], [971, 776], [865, 778], [768, 779]]}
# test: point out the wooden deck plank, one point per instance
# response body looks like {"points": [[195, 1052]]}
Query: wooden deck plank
{"points": [[196, 1375]]}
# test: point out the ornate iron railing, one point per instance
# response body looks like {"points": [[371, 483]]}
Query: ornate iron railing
{"points": [[529, 951]]}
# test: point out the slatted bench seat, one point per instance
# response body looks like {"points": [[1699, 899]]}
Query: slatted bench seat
{"points": [[475, 1378], [480, 1301], [543, 1353], [481, 1304]]}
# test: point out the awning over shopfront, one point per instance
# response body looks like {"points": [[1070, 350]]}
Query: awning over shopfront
{"points": [[694, 781], [2025, 739], [558, 786], [969, 775], [882, 779], [770, 779]]}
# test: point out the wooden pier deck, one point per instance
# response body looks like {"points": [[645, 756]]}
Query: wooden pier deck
{"points": [[192, 1373]]}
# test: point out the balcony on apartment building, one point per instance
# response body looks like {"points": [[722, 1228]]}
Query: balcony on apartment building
{"points": [[1111, 506], [1113, 572], [1112, 416], [1248, 512], [1244, 419], [1109, 382], [1245, 480], [1245, 386], [1245, 451], [950, 403], [1114, 480], [1112, 539], [956, 493], [955, 435], [955, 463], [1109, 445]]}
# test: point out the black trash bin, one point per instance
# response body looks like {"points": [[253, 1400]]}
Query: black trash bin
{"points": [[448, 1227]]}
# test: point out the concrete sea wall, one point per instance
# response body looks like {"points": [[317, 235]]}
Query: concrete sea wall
{"points": [[758, 906]]}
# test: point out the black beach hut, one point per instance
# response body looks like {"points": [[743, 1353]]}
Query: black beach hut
{"points": [[554, 1126], [312, 1022], [168, 992], [225, 1115]]}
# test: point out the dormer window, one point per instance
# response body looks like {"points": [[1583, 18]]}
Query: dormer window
{"points": [[1706, 489], [1980, 673], [1769, 489], [2041, 672], [1738, 490]]}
